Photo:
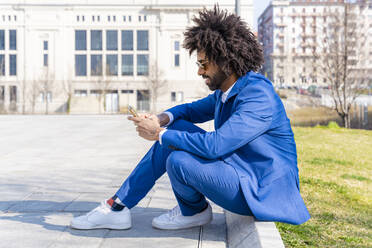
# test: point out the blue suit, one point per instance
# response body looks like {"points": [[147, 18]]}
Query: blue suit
{"points": [[252, 136]]}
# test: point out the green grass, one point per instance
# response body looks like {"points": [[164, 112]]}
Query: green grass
{"points": [[336, 183]]}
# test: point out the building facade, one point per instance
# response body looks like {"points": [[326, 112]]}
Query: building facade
{"points": [[99, 56], [293, 31]]}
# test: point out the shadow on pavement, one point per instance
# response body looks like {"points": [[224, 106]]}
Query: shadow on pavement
{"points": [[56, 216]]}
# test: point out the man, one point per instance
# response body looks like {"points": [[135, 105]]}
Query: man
{"points": [[248, 165]]}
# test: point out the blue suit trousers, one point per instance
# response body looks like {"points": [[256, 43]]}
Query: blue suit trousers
{"points": [[193, 178]]}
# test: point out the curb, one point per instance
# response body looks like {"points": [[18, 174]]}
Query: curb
{"points": [[244, 231]]}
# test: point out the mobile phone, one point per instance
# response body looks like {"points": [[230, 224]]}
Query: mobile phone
{"points": [[132, 111]]}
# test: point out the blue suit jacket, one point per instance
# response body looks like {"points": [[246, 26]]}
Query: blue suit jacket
{"points": [[252, 134]]}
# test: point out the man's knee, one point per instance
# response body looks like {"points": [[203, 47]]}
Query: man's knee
{"points": [[178, 161]]}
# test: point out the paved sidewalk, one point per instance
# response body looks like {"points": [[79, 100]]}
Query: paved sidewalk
{"points": [[53, 168]]}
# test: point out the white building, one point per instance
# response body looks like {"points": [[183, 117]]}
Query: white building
{"points": [[291, 31], [53, 49]]}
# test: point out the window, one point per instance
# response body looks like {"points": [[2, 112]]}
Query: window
{"points": [[176, 46], [80, 40], [142, 40], [112, 40], [143, 100], [127, 91], [139, 18], [12, 65], [45, 60], [80, 65], [12, 39], [13, 93], [45, 43], [80, 92], [112, 65], [145, 18], [173, 96], [49, 96], [96, 40], [177, 60], [2, 39], [127, 65], [96, 65], [2, 65], [177, 96], [96, 92], [142, 64], [2, 94], [176, 53], [126, 40]]}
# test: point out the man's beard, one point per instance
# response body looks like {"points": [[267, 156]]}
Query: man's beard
{"points": [[216, 80]]}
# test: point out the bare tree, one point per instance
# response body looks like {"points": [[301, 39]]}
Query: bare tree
{"points": [[2, 88], [103, 84], [68, 88], [32, 93], [341, 56], [46, 85], [156, 83]]}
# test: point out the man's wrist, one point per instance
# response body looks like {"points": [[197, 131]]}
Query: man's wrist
{"points": [[158, 131], [163, 119]]}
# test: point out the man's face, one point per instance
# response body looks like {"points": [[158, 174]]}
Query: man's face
{"points": [[213, 75]]}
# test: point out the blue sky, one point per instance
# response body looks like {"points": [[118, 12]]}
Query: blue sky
{"points": [[258, 7]]}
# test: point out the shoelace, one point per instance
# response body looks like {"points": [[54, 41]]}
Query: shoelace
{"points": [[103, 208], [176, 211]]}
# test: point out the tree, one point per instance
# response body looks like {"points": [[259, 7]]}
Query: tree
{"points": [[341, 57], [68, 88], [156, 84], [33, 92], [103, 84], [2, 88]]}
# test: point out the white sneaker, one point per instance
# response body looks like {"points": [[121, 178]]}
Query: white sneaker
{"points": [[174, 220], [103, 217]]}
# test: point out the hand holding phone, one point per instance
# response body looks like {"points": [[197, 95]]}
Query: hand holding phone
{"points": [[132, 111]]}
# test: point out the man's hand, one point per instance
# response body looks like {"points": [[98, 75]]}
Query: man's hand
{"points": [[148, 126]]}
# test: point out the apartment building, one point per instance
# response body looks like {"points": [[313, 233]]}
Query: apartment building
{"points": [[98, 56], [292, 31]]}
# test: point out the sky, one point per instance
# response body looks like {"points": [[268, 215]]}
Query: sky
{"points": [[258, 7]]}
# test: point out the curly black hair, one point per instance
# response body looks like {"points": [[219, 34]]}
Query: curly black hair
{"points": [[226, 40]]}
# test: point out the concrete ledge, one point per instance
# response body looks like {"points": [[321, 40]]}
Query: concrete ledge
{"points": [[244, 231]]}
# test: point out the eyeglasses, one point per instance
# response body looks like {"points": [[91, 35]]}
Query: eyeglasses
{"points": [[202, 65]]}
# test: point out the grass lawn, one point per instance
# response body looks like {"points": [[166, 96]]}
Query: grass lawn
{"points": [[336, 183]]}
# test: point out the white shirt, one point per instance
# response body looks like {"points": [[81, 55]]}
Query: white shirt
{"points": [[171, 118]]}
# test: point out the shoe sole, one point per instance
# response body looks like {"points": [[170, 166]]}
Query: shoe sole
{"points": [[111, 227], [168, 227]]}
